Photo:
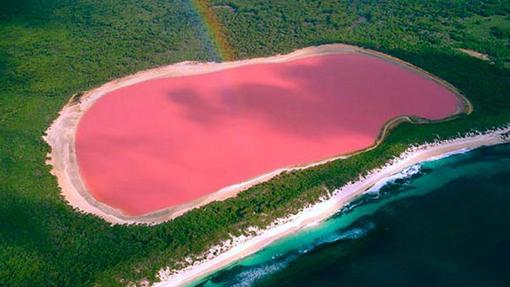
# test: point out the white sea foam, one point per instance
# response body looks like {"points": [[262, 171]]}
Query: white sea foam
{"points": [[445, 155], [405, 174], [350, 234], [278, 262], [248, 277]]}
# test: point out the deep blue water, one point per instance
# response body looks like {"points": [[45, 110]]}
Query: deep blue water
{"points": [[448, 224]]}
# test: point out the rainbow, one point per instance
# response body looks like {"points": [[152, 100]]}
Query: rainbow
{"points": [[214, 29]]}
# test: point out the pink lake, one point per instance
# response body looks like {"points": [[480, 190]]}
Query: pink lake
{"points": [[165, 142]]}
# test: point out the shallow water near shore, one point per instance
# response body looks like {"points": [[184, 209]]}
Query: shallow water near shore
{"points": [[441, 223]]}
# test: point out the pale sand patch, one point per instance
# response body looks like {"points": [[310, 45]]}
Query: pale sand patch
{"points": [[475, 54], [61, 134], [317, 213]]}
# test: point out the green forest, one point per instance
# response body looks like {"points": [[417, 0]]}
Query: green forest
{"points": [[51, 50]]}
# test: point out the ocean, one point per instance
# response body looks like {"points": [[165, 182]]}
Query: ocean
{"points": [[441, 223]]}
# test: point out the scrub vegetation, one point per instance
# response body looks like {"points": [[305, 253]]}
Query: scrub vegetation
{"points": [[50, 50]]}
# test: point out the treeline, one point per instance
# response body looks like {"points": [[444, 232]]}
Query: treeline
{"points": [[50, 50], [266, 27]]}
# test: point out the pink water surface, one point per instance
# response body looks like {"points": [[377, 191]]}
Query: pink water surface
{"points": [[164, 142]]}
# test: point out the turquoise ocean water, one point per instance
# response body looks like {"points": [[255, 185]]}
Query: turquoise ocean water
{"points": [[441, 223]]}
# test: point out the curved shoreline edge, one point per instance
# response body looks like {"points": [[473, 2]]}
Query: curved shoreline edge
{"points": [[221, 256], [61, 134]]}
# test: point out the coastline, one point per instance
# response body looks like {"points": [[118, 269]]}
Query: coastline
{"points": [[243, 246], [61, 134]]}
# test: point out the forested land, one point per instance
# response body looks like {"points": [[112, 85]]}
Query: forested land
{"points": [[50, 50]]}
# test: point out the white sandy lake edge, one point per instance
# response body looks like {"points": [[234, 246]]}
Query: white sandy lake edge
{"points": [[61, 135], [240, 247]]}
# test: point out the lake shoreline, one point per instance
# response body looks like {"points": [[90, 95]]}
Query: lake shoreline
{"points": [[61, 136]]}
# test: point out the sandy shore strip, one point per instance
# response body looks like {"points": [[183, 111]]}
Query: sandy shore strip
{"points": [[475, 54], [243, 246], [61, 134]]}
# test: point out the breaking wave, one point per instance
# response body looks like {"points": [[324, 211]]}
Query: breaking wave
{"points": [[349, 234], [248, 277], [401, 178]]}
